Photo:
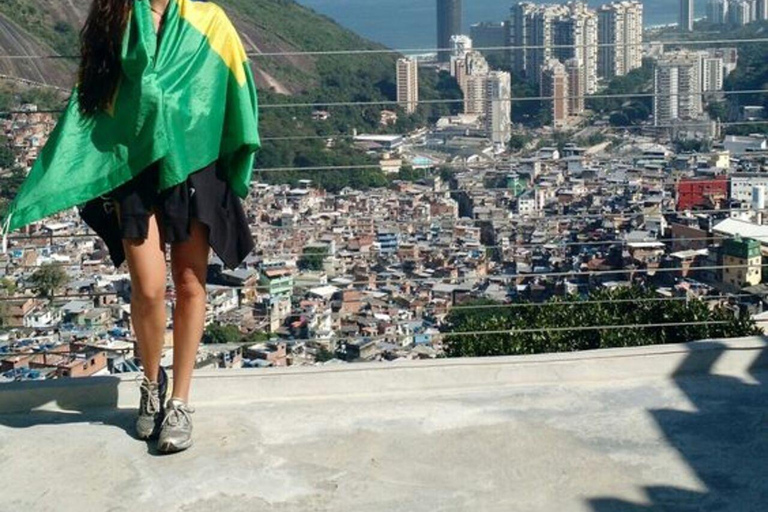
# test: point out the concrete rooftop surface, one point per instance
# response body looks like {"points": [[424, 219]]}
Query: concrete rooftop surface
{"points": [[675, 427]]}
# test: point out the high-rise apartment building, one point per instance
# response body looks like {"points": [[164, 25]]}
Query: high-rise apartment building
{"points": [[469, 67], [498, 107], [620, 37], [554, 84], [575, 37], [677, 88], [575, 83], [460, 45], [519, 28], [474, 94], [541, 32], [488, 95], [761, 10], [408, 84], [736, 13], [712, 73], [741, 12], [449, 21], [717, 11], [685, 16]]}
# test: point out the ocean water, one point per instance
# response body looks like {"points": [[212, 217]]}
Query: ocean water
{"points": [[412, 23]]}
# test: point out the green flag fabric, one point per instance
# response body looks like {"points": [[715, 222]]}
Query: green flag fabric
{"points": [[184, 100]]}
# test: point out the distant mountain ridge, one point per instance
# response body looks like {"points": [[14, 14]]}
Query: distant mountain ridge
{"points": [[50, 27]]}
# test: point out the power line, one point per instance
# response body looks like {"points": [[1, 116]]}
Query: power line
{"points": [[553, 245], [509, 99], [456, 280], [402, 51], [454, 334], [411, 51], [430, 308], [579, 216], [448, 101], [491, 132]]}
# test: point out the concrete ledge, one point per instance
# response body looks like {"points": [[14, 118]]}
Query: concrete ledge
{"points": [[734, 357]]}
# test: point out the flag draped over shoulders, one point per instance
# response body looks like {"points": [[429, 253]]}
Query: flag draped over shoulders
{"points": [[184, 100]]}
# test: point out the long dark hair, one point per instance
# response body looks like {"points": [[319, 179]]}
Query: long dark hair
{"points": [[100, 45]]}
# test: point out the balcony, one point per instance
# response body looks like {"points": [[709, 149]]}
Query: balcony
{"points": [[675, 427]]}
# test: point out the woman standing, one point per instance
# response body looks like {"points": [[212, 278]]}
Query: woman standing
{"points": [[156, 146]]}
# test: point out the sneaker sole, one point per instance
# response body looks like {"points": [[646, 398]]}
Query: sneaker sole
{"points": [[173, 448]]}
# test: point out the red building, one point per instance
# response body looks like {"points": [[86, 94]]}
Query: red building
{"points": [[709, 193]]}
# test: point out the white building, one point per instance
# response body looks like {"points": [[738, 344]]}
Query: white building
{"points": [[554, 31], [740, 144], [717, 11], [498, 107], [408, 84], [475, 94], [579, 29], [461, 45], [761, 10], [712, 73], [620, 36], [470, 72], [740, 12], [677, 88], [744, 183]]}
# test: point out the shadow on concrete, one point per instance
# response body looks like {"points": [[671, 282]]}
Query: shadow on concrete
{"points": [[91, 400], [724, 442]]}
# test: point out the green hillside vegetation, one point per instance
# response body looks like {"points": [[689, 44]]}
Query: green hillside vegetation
{"points": [[629, 110], [35, 17], [625, 306], [284, 26]]}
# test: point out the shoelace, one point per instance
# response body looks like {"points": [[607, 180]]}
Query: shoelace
{"points": [[151, 400], [176, 413]]}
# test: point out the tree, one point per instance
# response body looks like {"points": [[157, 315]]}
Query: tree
{"points": [[7, 158], [3, 313], [546, 326], [323, 355], [518, 141], [47, 279], [313, 258], [7, 287], [619, 119], [408, 173], [257, 337], [217, 334], [10, 183]]}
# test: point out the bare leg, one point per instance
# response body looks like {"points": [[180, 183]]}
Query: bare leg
{"points": [[189, 263], [146, 264]]}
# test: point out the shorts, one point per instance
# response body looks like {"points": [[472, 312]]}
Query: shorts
{"points": [[205, 196]]}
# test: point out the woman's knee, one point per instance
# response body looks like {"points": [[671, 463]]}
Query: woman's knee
{"points": [[148, 292], [189, 286]]}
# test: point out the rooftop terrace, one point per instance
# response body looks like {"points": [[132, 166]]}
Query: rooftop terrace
{"points": [[675, 427]]}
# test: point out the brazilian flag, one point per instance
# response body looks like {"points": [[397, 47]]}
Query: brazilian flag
{"points": [[185, 99]]}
